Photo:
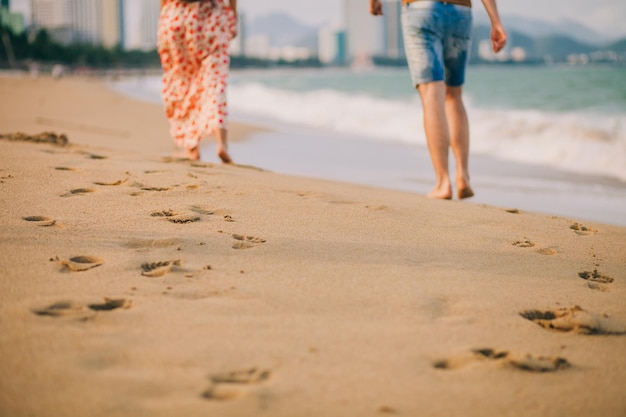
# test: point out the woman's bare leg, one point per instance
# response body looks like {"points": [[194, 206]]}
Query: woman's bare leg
{"points": [[222, 146]]}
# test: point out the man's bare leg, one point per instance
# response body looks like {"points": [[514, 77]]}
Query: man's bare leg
{"points": [[433, 96], [222, 146], [459, 139]]}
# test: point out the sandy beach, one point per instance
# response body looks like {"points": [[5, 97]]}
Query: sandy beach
{"points": [[137, 285]]}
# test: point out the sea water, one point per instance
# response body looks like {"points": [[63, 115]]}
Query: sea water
{"points": [[573, 118], [540, 135]]}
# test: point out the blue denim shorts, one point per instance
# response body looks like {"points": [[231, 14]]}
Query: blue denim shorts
{"points": [[437, 40]]}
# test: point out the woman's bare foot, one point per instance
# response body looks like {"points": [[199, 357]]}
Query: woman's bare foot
{"points": [[192, 154], [224, 156]]}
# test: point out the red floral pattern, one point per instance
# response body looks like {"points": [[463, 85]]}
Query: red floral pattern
{"points": [[193, 41]]}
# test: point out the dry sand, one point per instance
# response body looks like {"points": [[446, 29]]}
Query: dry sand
{"points": [[133, 285]]}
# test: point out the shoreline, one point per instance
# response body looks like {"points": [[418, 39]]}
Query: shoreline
{"points": [[135, 285], [313, 153]]}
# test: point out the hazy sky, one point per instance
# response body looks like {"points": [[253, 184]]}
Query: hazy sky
{"points": [[605, 16]]}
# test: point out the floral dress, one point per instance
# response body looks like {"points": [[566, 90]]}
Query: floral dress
{"points": [[193, 39]]}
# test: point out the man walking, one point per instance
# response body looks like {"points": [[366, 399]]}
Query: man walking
{"points": [[437, 37]]}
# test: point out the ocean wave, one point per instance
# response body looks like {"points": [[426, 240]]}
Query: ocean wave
{"points": [[580, 142]]}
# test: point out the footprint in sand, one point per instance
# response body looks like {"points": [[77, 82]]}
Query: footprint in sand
{"points": [[158, 189], [43, 137], [70, 309], [64, 309], [546, 251], [595, 276], [158, 269], [246, 242], [175, 217], [184, 219], [574, 319], [596, 280], [41, 221], [505, 359], [67, 169], [78, 191], [150, 243], [6, 177], [528, 244], [79, 263], [524, 243], [112, 183], [163, 213], [111, 304], [579, 229], [201, 210], [232, 385]]}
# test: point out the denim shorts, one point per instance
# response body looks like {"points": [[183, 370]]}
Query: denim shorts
{"points": [[437, 40]]}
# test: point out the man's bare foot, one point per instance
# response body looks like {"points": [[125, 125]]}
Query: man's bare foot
{"points": [[192, 154], [466, 192], [463, 188], [443, 193], [224, 156]]}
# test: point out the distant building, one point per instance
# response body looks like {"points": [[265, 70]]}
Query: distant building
{"points": [[238, 45], [86, 21], [258, 46], [140, 23], [95, 22], [332, 46], [55, 17], [112, 19], [363, 32], [393, 42]]}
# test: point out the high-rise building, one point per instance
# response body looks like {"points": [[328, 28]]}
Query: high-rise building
{"points": [[332, 46], [393, 42], [54, 16], [363, 32], [238, 45], [111, 23], [94, 22], [86, 21], [140, 22]]}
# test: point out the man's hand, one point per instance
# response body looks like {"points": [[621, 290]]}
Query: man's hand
{"points": [[498, 38], [376, 7]]}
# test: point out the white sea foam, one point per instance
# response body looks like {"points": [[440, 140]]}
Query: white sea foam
{"points": [[578, 142]]}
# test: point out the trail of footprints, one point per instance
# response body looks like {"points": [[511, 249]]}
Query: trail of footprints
{"points": [[79, 311], [568, 320], [488, 356], [223, 386], [233, 385]]}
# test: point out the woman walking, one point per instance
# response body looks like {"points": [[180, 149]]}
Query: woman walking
{"points": [[193, 39]]}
